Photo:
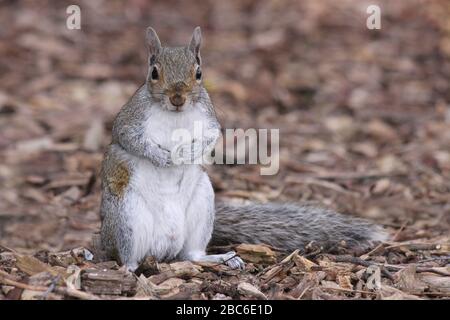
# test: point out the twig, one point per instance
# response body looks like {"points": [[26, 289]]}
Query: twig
{"points": [[303, 292], [4, 248], [349, 290], [324, 184], [354, 175], [4, 273], [361, 262], [368, 254], [313, 253], [21, 285], [418, 269], [432, 270], [283, 262], [64, 291], [76, 294], [439, 294], [402, 227], [51, 287], [382, 244], [74, 256], [417, 246], [435, 259]]}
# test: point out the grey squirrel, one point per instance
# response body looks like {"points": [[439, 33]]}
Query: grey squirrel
{"points": [[154, 206]]}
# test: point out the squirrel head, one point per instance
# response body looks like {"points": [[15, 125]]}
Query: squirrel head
{"points": [[174, 73]]}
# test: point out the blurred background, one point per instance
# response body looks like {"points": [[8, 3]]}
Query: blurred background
{"points": [[364, 115]]}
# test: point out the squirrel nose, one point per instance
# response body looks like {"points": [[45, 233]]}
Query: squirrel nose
{"points": [[177, 100]]}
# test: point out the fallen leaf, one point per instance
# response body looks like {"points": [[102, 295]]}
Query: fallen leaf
{"points": [[250, 290], [391, 293], [256, 253], [407, 281], [31, 266]]}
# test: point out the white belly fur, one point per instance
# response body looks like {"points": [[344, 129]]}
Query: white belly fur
{"points": [[159, 196]]}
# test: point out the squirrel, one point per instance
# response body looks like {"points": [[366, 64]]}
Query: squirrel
{"points": [[154, 206]]}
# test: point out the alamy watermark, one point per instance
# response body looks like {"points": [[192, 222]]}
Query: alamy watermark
{"points": [[73, 21], [374, 20], [250, 146]]}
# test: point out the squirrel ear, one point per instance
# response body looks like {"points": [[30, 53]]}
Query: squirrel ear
{"points": [[154, 45], [194, 45]]}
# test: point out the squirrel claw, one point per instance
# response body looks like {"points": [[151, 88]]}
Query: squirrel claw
{"points": [[234, 261]]}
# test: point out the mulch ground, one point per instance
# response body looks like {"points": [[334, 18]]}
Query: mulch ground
{"points": [[364, 119]]}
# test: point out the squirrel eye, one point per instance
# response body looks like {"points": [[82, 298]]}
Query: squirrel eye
{"points": [[155, 75], [198, 74]]}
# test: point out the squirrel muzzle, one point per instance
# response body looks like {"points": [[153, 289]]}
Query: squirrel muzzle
{"points": [[177, 100], [177, 95]]}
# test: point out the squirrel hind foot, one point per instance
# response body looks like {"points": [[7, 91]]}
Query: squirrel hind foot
{"points": [[232, 260]]}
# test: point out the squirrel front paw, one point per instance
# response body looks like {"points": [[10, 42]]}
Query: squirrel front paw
{"points": [[160, 156], [186, 153], [232, 260]]}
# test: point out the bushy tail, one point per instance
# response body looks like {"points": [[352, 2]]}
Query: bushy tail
{"points": [[290, 227]]}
